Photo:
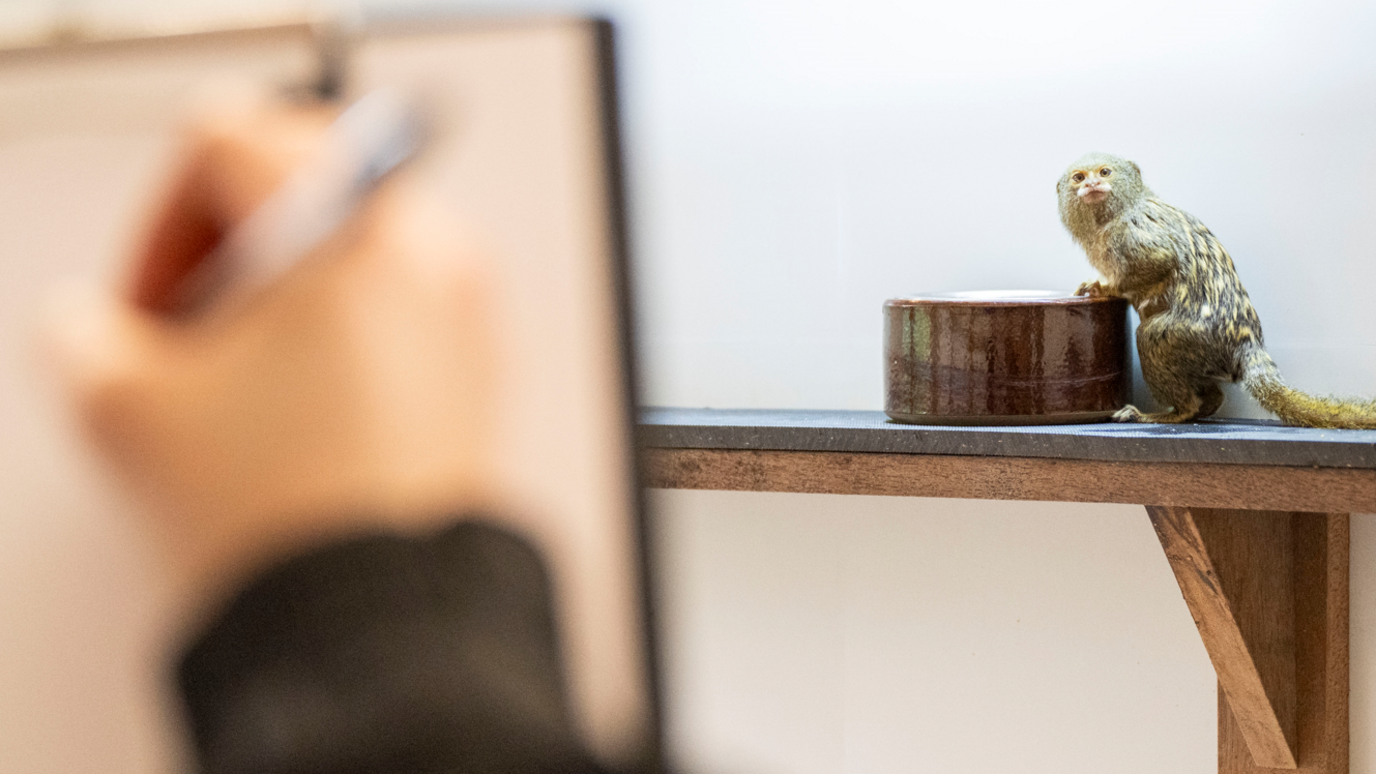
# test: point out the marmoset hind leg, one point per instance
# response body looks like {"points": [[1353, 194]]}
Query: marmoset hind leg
{"points": [[1211, 396], [1187, 401], [1174, 368]]}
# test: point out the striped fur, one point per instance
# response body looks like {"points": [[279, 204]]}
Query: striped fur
{"points": [[1198, 326]]}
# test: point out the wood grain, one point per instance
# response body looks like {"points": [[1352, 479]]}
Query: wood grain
{"points": [[1320, 549], [1235, 570], [1016, 478]]}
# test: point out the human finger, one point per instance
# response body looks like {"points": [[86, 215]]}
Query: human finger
{"points": [[233, 157]]}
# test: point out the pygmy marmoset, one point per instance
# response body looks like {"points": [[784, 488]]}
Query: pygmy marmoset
{"points": [[1197, 324]]}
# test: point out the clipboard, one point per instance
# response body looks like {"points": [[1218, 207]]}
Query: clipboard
{"points": [[528, 156]]}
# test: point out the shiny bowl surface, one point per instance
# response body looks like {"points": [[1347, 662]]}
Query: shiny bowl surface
{"points": [[1005, 357]]}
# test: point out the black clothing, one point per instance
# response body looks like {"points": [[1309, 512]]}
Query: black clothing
{"points": [[387, 654]]}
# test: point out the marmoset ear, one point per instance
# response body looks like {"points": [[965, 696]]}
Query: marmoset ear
{"points": [[1136, 168]]}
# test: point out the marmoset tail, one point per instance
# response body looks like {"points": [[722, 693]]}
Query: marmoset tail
{"points": [[1198, 326]]}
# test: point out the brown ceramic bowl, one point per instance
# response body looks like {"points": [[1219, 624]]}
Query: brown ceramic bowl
{"points": [[1005, 357]]}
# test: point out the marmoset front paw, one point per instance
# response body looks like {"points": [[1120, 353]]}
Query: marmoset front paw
{"points": [[1093, 289]]}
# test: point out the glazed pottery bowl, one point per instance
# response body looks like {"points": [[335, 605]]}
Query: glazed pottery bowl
{"points": [[1005, 357]]}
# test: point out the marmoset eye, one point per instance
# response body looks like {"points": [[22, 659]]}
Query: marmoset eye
{"points": [[1079, 177], [1105, 172]]}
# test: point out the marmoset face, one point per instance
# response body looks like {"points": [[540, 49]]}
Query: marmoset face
{"points": [[1093, 185], [1100, 179]]}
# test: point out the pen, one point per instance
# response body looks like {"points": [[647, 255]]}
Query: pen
{"points": [[365, 144]]}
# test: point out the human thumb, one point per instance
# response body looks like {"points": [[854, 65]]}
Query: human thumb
{"points": [[89, 339]]}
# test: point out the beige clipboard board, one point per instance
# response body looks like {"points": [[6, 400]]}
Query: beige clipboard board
{"points": [[526, 156]]}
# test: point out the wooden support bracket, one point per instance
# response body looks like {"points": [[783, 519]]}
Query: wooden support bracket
{"points": [[1268, 591]]}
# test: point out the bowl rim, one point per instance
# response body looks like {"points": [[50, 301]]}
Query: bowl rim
{"points": [[999, 298]]}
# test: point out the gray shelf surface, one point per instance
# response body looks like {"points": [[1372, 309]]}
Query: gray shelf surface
{"points": [[1214, 442]]}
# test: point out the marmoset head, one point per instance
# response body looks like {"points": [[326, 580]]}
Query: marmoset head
{"points": [[1097, 187]]}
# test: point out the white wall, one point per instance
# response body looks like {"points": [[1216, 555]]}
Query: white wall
{"points": [[797, 164], [821, 634], [794, 164]]}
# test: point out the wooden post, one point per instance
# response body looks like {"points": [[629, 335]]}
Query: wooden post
{"points": [[1268, 591]]}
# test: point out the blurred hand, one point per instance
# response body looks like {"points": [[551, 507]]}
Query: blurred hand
{"points": [[349, 396]]}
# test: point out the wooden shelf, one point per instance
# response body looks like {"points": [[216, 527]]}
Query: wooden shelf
{"points": [[1253, 518], [1228, 443]]}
